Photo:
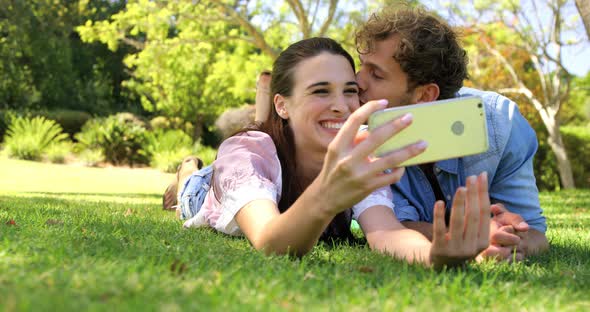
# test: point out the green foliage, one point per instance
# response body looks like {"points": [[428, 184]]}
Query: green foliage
{"points": [[192, 67], [58, 152], [577, 142], [5, 117], [167, 149], [206, 153], [577, 110], [70, 120], [29, 138], [91, 157], [45, 65], [120, 138], [172, 123]]}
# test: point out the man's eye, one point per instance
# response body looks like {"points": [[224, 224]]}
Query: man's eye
{"points": [[320, 91], [375, 75]]}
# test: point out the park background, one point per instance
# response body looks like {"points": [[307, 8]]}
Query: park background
{"points": [[129, 85], [145, 83]]}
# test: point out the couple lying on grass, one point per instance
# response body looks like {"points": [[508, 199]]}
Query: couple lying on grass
{"points": [[300, 174]]}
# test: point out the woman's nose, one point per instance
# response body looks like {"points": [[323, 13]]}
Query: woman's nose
{"points": [[339, 105]]}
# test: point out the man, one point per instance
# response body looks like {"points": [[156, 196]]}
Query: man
{"points": [[410, 56]]}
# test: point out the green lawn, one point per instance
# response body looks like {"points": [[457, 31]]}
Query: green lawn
{"points": [[76, 238]]}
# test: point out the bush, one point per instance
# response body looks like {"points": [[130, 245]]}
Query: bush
{"points": [[91, 157], [70, 120], [120, 138], [577, 143], [172, 123], [206, 153], [5, 117], [57, 153], [167, 149], [29, 138]]}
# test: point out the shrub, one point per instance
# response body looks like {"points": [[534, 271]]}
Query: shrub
{"points": [[91, 157], [577, 144], [57, 153], [70, 120], [168, 161], [206, 153], [5, 117], [29, 138], [172, 123], [166, 149], [120, 138]]}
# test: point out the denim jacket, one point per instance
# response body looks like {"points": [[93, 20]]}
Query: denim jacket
{"points": [[508, 162]]}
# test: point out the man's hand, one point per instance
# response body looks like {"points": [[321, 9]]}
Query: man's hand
{"points": [[508, 236]]}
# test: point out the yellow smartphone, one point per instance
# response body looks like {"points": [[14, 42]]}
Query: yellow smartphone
{"points": [[452, 128]]}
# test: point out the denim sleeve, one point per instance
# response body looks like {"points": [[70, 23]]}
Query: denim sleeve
{"points": [[514, 183], [403, 210]]}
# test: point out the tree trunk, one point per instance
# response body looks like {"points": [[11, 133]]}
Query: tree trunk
{"points": [[564, 166], [584, 9]]}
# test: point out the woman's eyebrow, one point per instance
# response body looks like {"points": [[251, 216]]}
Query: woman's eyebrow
{"points": [[352, 83], [321, 83]]}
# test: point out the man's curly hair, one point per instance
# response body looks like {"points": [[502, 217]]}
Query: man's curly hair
{"points": [[429, 50]]}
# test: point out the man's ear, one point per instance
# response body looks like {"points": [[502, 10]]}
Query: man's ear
{"points": [[426, 93], [280, 106]]}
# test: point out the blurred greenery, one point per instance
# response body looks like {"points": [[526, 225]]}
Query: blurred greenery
{"points": [[30, 138], [181, 64]]}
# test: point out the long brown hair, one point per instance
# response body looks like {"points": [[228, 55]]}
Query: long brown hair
{"points": [[281, 133]]}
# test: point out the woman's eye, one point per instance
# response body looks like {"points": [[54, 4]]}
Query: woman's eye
{"points": [[320, 91], [352, 90]]}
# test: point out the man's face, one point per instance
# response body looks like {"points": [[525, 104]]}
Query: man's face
{"points": [[381, 77]]}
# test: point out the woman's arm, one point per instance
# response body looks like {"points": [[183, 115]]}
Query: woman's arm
{"points": [[467, 235], [295, 231]]}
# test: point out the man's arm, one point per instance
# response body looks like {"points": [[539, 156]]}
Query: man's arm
{"points": [[513, 144]]}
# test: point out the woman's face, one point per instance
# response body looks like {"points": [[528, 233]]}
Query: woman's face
{"points": [[325, 93]]}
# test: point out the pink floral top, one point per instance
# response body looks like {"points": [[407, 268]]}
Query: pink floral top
{"points": [[248, 168]]}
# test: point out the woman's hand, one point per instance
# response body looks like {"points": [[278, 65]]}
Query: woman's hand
{"points": [[469, 228], [349, 174]]}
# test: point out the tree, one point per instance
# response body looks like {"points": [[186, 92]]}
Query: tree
{"points": [[584, 9], [194, 59], [541, 37], [44, 65]]}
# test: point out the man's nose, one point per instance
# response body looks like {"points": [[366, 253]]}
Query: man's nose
{"points": [[360, 81]]}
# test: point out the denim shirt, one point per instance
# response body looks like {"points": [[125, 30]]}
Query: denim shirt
{"points": [[508, 162]]}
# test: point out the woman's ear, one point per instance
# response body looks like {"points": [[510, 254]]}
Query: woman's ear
{"points": [[280, 106]]}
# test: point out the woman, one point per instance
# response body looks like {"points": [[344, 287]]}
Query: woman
{"points": [[294, 178]]}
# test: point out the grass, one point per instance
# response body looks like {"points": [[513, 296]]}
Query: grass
{"points": [[75, 238]]}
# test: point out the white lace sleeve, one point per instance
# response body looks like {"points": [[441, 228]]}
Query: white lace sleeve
{"points": [[380, 197]]}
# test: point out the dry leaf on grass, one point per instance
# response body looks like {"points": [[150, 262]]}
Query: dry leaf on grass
{"points": [[54, 222]]}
